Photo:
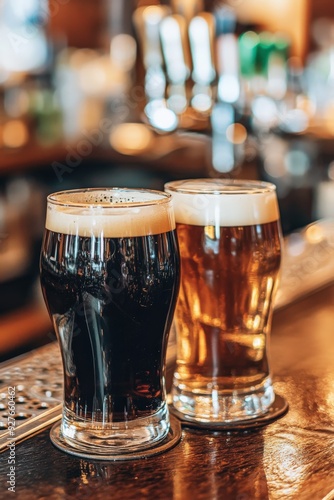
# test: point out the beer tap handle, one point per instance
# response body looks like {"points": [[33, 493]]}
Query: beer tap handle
{"points": [[229, 89], [227, 56], [226, 154], [223, 116], [173, 35], [147, 21], [223, 154], [201, 36]]}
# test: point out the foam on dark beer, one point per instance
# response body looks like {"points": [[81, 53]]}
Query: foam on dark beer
{"points": [[112, 217]]}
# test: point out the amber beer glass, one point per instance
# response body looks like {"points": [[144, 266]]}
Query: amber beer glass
{"points": [[230, 244], [110, 278]]}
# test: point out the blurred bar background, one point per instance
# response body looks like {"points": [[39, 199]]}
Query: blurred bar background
{"points": [[136, 93]]}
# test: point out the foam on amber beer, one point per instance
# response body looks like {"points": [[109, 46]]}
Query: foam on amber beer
{"points": [[95, 213], [246, 208]]}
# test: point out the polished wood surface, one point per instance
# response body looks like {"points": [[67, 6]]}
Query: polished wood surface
{"points": [[292, 458]]}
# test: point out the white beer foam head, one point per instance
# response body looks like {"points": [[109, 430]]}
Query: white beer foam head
{"points": [[223, 202], [113, 212]]}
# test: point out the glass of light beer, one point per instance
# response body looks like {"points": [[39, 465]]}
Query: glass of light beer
{"points": [[110, 278], [230, 244]]}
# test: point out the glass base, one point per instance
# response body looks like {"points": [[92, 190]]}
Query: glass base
{"points": [[219, 406], [119, 440], [278, 409]]}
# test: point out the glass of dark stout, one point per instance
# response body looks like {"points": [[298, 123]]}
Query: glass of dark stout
{"points": [[230, 244], [110, 278]]}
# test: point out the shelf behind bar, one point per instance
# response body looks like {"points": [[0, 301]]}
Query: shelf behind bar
{"points": [[179, 153]]}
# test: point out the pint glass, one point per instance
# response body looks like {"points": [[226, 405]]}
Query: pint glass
{"points": [[110, 278], [230, 245]]}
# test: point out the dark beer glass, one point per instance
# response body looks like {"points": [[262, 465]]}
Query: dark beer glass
{"points": [[110, 276], [230, 244]]}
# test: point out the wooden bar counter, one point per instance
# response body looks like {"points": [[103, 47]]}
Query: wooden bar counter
{"points": [[291, 458]]}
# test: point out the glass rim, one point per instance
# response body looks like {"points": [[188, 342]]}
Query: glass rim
{"points": [[245, 186], [61, 198]]}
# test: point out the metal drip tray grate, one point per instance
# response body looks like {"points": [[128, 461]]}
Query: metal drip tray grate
{"points": [[31, 391]]}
